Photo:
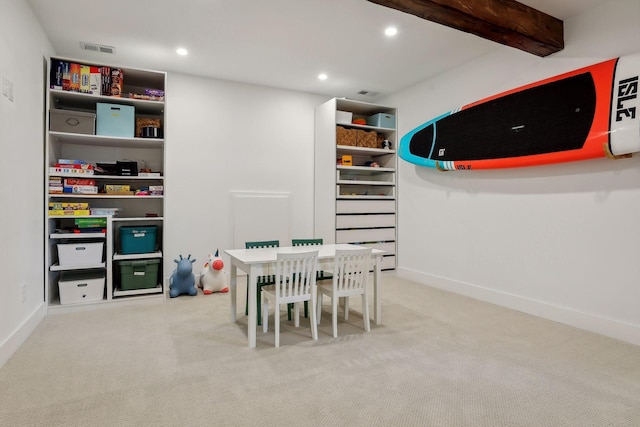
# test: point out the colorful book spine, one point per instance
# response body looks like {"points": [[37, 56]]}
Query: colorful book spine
{"points": [[95, 78], [74, 84], [85, 74], [55, 76], [66, 75], [105, 88]]}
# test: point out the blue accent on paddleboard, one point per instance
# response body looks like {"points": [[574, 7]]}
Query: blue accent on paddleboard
{"points": [[406, 155]]}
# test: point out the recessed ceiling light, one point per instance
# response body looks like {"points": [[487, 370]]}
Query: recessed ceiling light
{"points": [[182, 51], [391, 31], [323, 76]]}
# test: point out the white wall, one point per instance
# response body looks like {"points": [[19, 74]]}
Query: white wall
{"points": [[560, 241], [23, 47], [225, 137]]}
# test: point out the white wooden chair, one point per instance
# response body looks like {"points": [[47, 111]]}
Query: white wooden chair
{"points": [[295, 282], [350, 273]]}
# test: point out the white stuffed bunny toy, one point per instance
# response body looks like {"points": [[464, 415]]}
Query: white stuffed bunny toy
{"points": [[212, 276]]}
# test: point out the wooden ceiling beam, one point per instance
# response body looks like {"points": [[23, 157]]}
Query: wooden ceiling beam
{"points": [[507, 22]]}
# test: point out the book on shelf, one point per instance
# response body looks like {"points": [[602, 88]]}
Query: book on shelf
{"points": [[66, 170], [72, 162], [81, 189], [69, 212], [74, 165], [68, 206], [69, 182]]}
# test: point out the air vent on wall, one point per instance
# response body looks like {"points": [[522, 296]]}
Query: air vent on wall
{"points": [[368, 92], [94, 47]]}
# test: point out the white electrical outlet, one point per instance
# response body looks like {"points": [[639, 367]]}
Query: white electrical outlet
{"points": [[23, 289]]}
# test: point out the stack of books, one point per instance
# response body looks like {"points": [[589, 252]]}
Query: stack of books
{"points": [[72, 167]]}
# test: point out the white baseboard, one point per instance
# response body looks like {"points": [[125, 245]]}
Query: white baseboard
{"points": [[20, 335], [601, 325]]}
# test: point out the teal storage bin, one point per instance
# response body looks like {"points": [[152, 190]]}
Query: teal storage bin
{"points": [[138, 239], [115, 120], [382, 120], [138, 274]]}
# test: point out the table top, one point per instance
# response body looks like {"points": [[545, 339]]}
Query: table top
{"points": [[263, 255]]}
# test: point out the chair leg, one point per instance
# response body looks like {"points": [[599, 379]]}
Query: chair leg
{"points": [[246, 304], [296, 318], [265, 323], [319, 308], [276, 321], [313, 323], [346, 308], [334, 315], [259, 315], [365, 313], [306, 310]]}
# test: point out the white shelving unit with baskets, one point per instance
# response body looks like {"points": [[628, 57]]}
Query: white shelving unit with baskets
{"points": [[355, 199], [141, 199]]}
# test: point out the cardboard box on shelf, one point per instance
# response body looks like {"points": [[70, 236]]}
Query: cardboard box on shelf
{"points": [[111, 188], [72, 121], [344, 117]]}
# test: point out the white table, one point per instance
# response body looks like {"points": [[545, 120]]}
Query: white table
{"points": [[253, 261]]}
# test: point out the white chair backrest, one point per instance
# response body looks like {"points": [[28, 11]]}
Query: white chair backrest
{"points": [[296, 273], [351, 268]]}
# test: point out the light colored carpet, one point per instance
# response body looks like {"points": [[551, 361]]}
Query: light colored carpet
{"points": [[439, 359]]}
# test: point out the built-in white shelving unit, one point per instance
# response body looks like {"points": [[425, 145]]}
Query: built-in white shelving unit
{"points": [[134, 210], [355, 203]]}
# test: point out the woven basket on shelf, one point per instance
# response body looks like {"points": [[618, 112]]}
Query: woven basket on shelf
{"points": [[345, 136], [367, 139]]}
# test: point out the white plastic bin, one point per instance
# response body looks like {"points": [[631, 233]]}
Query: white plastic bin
{"points": [[79, 287], [80, 254]]}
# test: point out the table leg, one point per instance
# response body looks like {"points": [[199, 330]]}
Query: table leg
{"points": [[233, 283], [252, 321], [377, 301]]}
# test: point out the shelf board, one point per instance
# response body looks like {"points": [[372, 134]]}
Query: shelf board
{"points": [[105, 141], [118, 293], [141, 218], [109, 177], [54, 236], [365, 169], [350, 149], [365, 127], [68, 308], [362, 108], [119, 257], [360, 182], [100, 196], [57, 267], [88, 99], [344, 196]]}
